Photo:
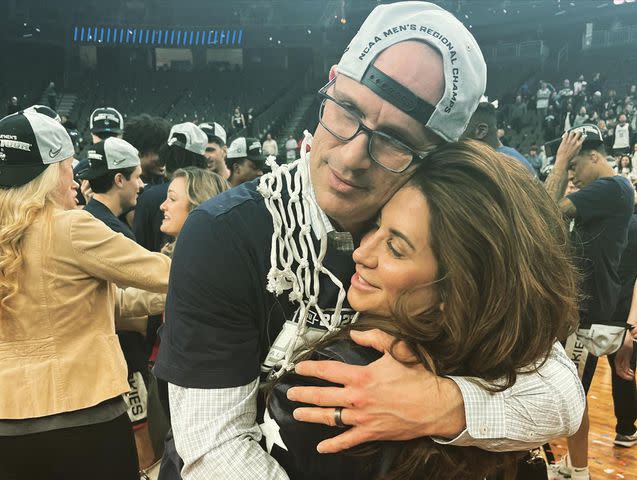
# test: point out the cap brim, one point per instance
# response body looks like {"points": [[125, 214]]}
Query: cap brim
{"points": [[18, 175]]}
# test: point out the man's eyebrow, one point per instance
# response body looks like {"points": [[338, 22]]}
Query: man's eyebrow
{"points": [[404, 136], [344, 97]]}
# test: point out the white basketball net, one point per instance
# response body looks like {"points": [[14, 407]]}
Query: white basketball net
{"points": [[290, 249]]}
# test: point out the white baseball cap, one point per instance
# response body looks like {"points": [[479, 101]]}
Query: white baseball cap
{"points": [[110, 154], [214, 130], [243, 147], [29, 143], [196, 140], [464, 67]]}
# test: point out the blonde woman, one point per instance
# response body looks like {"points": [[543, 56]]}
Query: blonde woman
{"points": [[190, 187], [62, 371]]}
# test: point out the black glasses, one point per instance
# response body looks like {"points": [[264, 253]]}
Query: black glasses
{"points": [[387, 151]]}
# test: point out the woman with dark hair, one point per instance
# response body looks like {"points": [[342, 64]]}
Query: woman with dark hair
{"points": [[624, 168], [467, 266]]}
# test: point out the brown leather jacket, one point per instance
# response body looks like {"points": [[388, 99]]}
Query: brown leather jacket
{"points": [[58, 348]]}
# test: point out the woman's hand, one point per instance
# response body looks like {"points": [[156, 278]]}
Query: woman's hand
{"points": [[385, 400]]}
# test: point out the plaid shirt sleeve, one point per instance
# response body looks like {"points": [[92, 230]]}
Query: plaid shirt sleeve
{"points": [[216, 434], [542, 405]]}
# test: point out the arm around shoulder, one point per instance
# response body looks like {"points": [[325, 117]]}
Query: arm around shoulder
{"points": [[542, 404]]}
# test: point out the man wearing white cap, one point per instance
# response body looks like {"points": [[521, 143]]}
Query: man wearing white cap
{"points": [[411, 78], [216, 151], [245, 160]]}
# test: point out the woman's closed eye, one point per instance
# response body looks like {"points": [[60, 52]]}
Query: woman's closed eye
{"points": [[393, 249]]}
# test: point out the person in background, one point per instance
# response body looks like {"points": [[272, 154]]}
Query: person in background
{"points": [[290, 149], [216, 151], [61, 366], [238, 120], [535, 159], [270, 146], [623, 136], [185, 147], [601, 210], [12, 105], [104, 122], [147, 134], [114, 177], [245, 160], [581, 118], [483, 127], [542, 103], [625, 167], [51, 96]]}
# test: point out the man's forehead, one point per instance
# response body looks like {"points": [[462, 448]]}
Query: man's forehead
{"points": [[370, 106]]}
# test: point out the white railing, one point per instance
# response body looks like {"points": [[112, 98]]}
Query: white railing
{"points": [[530, 49], [610, 38]]}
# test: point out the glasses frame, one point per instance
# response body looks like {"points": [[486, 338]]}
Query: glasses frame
{"points": [[415, 154]]}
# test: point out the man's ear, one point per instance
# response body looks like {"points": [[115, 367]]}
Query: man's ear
{"points": [[481, 131], [333, 72], [118, 180], [595, 156]]}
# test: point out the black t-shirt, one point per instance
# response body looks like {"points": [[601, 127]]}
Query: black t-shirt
{"points": [[220, 320], [103, 213], [148, 217], [627, 274], [604, 208], [133, 343]]}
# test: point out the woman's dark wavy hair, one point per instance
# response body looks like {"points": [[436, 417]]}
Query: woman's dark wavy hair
{"points": [[507, 287]]}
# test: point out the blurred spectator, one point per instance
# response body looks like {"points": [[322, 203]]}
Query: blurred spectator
{"points": [[106, 122], [238, 120], [147, 134], [12, 105], [579, 86], [568, 118], [566, 92], [245, 160], [270, 146], [581, 118], [549, 124], [542, 104], [535, 159], [483, 127], [624, 168], [501, 134], [518, 112], [597, 83], [623, 137], [249, 121], [51, 96], [290, 149]]}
